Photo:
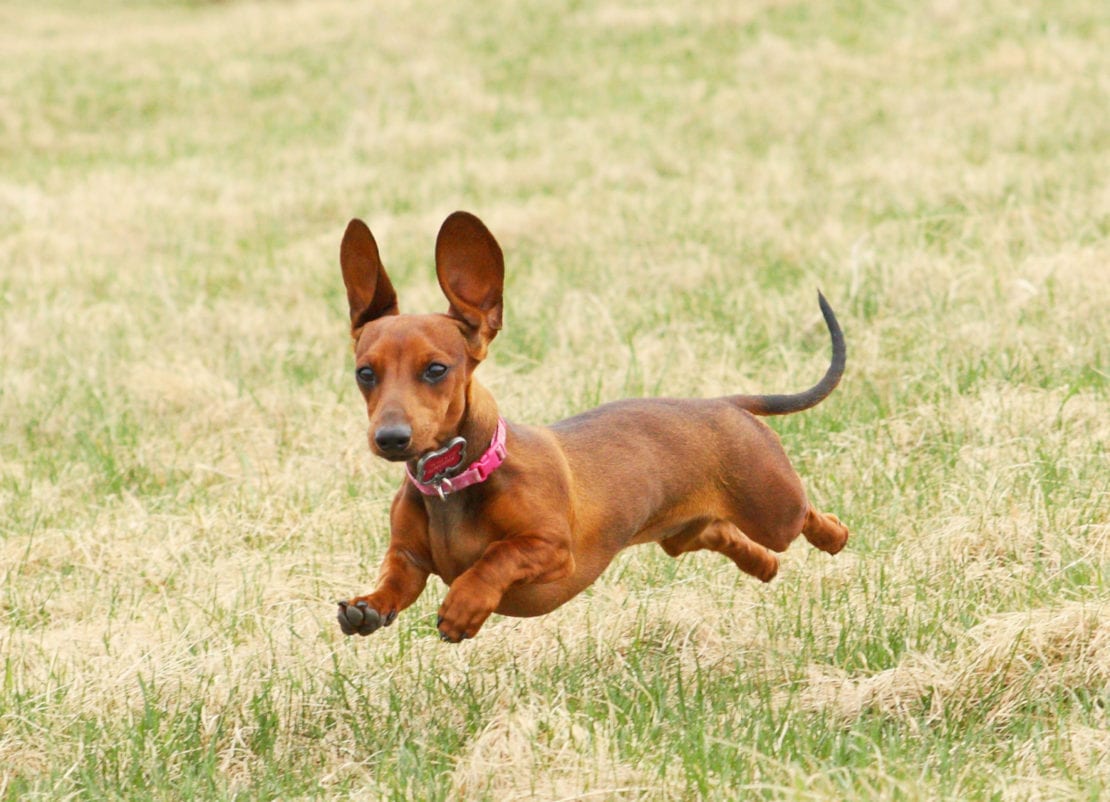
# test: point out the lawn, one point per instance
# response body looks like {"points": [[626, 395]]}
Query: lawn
{"points": [[185, 484]]}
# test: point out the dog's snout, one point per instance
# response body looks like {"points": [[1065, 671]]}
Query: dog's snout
{"points": [[393, 437]]}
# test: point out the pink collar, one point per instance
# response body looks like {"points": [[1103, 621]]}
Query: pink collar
{"points": [[436, 469]]}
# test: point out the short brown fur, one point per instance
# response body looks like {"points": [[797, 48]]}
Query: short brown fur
{"points": [[688, 474]]}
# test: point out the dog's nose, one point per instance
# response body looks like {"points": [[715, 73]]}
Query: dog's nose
{"points": [[393, 437]]}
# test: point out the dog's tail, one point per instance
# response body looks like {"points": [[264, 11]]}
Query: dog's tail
{"points": [[785, 404]]}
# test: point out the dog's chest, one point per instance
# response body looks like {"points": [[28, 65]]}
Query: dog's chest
{"points": [[455, 542]]}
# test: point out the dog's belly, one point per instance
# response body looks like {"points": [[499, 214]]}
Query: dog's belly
{"points": [[531, 600], [524, 601]]}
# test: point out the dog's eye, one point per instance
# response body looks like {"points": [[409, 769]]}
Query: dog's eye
{"points": [[434, 372], [366, 377]]}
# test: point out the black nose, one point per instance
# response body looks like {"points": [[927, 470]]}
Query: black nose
{"points": [[393, 437]]}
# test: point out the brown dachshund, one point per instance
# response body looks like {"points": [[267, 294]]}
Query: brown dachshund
{"points": [[518, 519]]}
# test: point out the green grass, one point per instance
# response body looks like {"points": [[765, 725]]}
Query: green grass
{"points": [[184, 480]]}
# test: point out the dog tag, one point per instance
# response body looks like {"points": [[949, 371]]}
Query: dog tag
{"points": [[435, 466]]}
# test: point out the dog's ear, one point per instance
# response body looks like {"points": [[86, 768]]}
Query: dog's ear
{"points": [[471, 272], [369, 291]]}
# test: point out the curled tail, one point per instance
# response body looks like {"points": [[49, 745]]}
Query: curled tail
{"points": [[796, 402]]}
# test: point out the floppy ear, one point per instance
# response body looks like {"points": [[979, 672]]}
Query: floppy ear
{"points": [[369, 291], [471, 272]]}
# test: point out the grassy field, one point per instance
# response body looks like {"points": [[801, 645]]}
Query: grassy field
{"points": [[185, 485]]}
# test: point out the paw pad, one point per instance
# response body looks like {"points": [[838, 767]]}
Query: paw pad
{"points": [[360, 618]]}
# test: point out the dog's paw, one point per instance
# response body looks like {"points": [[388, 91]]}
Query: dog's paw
{"points": [[358, 617], [825, 531], [465, 608]]}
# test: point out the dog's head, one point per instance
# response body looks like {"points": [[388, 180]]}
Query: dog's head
{"points": [[414, 371]]}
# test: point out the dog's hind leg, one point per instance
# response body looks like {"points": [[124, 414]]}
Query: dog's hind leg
{"points": [[825, 531], [727, 539]]}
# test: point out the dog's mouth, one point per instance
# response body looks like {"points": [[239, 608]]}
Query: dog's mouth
{"points": [[405, 454], [411, 454]]}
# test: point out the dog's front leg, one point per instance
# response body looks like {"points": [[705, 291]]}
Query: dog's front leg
{"points": [[404, 573], [477, 592]]}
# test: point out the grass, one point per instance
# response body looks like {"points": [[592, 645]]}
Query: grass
{"points": [[185, 485]]}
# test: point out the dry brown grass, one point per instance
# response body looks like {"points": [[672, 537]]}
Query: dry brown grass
{"points": [[184, 482]]}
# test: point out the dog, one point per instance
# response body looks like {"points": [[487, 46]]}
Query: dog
{"points": [[518, 519]]}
